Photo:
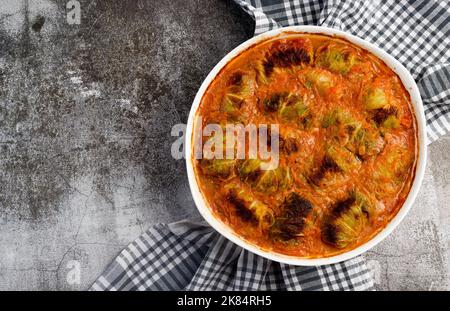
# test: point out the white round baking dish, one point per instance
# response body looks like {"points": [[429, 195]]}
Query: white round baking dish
{"points": [[416, 100]]}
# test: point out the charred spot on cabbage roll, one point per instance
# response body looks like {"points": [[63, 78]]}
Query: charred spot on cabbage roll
{"points": [[348, 217], [291, 221], [242, 209], [283, 55], [249, 170], [288, 145], [337, 159], [326, 165], [289, 107], [249, 208], [236, 78], [386, 118], [288, 55], [272, 104]]}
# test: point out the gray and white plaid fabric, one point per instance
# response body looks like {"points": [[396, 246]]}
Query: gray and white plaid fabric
{"points": [[192, 256]]}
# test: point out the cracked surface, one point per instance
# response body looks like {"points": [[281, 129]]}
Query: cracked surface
{"points": [[85, 118]]}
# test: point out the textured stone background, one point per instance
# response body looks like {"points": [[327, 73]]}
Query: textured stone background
{"points": [[85, 118]]}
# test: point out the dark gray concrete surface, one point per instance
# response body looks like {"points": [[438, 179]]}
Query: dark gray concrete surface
{"points": [[85, 118]]}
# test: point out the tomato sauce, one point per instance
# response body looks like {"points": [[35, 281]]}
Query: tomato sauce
{"points": [[348, 145]]}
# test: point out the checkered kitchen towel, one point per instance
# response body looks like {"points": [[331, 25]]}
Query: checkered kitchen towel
{"points": [[192, 256]]}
